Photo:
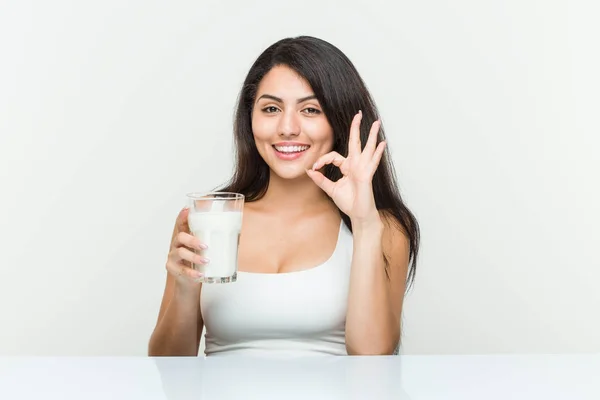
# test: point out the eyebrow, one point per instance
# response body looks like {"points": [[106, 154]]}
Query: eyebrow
{"points": [[301, 100]]}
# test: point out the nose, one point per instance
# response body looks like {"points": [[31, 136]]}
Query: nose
{"points": [[289, 124]]}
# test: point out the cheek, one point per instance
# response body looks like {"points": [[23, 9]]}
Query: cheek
{"points": [[329, 143], [262, 136], [322, 134], [261, 129]]}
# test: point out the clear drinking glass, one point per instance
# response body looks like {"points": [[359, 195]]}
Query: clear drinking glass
{"points": [[216, 219]]}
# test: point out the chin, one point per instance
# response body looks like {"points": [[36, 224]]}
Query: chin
{"points": [[290, 172]]}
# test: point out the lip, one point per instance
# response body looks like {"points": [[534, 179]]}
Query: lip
{"points": [[290, 144], [289, 156]]}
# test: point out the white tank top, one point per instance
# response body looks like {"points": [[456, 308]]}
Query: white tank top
{"points": [[286, 314]]}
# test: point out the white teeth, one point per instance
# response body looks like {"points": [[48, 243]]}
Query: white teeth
{"points": [[290, 149]]}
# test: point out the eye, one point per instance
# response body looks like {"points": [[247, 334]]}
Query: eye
{"points": [[312, 111], [270, 109]]}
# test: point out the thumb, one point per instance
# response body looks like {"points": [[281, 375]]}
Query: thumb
{"points": [[182, 220], [321, 181]]}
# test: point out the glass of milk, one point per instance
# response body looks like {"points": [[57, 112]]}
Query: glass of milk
{"points": [[215, 218]]}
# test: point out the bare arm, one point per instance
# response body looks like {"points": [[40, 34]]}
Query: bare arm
{"points": [[374, 300], [179, 325]]}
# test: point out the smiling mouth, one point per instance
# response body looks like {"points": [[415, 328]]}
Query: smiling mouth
{"points": [[290, 149]]}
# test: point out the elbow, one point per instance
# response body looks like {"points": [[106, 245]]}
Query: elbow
{"points": [[372, 348], [158, 347], [372, 344], [153, 349]]}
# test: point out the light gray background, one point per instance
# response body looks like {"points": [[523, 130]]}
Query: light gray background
{"points": [[110, 111]]}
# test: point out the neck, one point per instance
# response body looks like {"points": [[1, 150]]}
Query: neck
{"points": [[296, 195]]}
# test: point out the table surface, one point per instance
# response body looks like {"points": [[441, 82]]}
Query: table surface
{"points": [[503, 377]]}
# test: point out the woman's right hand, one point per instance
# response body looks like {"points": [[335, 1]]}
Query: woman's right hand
{"points": [[182, 254]]}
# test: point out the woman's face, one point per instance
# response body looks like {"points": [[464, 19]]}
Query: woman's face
{"points": [[289, 126]]}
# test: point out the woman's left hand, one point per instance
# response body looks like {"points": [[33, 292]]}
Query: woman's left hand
{"points": [[353, 193]]}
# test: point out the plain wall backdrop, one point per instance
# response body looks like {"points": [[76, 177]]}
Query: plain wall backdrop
{"points": [[111, 111]]}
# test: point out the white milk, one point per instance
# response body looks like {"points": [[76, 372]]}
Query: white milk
{"points": [[220, 231]]}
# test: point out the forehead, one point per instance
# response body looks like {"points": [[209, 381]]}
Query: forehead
{"points": [[282, 81]]}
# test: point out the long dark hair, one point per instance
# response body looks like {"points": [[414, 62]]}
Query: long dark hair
{"points": [[341, 92]]}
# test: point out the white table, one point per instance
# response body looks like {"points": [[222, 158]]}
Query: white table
{"points": [[372, 378]]}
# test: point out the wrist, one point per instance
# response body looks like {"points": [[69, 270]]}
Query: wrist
{"points": [[370, 224]]}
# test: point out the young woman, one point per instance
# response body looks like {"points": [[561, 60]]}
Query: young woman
{"points": [[327, 247]]}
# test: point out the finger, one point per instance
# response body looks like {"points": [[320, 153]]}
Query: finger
{"points": [[372, 141], [321, 181], [188, 240], [377, 155], [354, 145], [185, 254], [333, 157], [180, 270]]}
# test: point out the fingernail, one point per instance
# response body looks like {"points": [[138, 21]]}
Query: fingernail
{"points": [[202, 246], [360, 112], [200, 260], [314, 166], [198, 274]]}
